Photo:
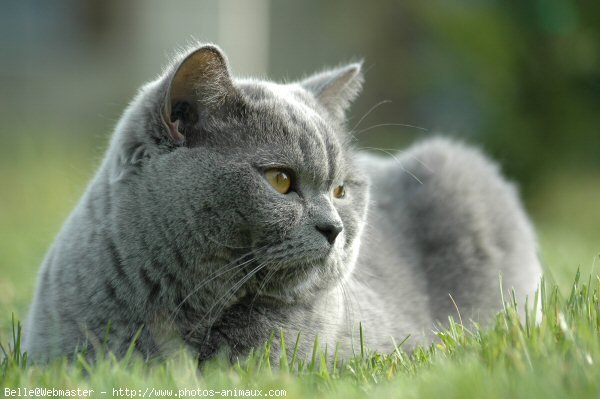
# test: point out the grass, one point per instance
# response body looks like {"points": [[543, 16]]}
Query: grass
{"points": [[555, 356], [552, 354]]}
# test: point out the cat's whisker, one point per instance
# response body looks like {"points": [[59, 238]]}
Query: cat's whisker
{"points": [[346, 311], [217, 273], [398, 161], [404, 153], [221, 302], [373, 108], [226, 245], [268, 277], [250, 274], [420, 128], [348, 304]]}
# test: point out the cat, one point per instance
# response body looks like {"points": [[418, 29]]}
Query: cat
{"points": [[227, 209]]}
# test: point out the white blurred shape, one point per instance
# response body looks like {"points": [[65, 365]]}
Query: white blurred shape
{"points": [[243, 33]]}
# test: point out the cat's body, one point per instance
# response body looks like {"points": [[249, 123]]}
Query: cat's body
{"points": [[181, 233]]}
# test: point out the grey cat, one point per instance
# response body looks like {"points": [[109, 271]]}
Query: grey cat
{"points": [[226, 209]]}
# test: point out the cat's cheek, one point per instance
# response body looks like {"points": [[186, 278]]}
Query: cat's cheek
{"points": [[352, 256], [347, 253]]}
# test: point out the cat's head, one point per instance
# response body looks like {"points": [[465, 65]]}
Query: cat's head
{"points": [[249, 172]]}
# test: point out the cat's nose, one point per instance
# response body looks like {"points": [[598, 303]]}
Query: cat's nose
{"points": [[330, 231]]}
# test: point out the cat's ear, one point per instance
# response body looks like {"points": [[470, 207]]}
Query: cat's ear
{"points": [[201, 83], [335, 89]]}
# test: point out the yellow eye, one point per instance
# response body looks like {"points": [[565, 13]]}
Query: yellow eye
{"points": [[279, 180], [339, 191]]}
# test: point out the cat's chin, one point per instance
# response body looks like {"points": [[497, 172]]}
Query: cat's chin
{"points": [[302, 281]]}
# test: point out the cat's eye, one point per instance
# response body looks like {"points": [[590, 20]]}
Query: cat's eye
{"points": [[339, 191], [280, 180]]}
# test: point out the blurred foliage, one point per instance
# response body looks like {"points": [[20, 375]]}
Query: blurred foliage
{"points": [[520, 78]]}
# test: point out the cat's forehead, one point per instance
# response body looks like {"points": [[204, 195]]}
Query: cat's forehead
{"points": [[295, 121], [291, 99]]}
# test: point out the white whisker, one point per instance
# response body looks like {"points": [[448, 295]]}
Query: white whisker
{"points": [[398, 161], [373, 108], [217, 273], [222, 301], [390, 124]]}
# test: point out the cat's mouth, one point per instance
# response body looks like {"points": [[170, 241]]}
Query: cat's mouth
{"points": [[289, 256], [291, 272]]}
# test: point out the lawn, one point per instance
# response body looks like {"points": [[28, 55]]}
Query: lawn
{"points": [[556, 355]]}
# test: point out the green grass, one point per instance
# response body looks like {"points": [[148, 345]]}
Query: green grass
{"points": [[555, 354]]}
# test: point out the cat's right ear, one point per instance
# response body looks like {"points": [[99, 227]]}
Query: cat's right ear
{"points": [[200, 83], [335, 89]]}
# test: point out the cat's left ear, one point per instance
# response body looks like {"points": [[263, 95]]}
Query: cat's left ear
{"points": [[335, 89]]}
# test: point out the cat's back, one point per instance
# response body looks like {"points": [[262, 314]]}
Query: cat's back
{"points": [[452, 224]]}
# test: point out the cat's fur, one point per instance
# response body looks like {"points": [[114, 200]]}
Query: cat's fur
{"points": [[179, 235]]}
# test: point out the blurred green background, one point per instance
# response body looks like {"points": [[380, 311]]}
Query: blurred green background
{"points": [[521, 79]]}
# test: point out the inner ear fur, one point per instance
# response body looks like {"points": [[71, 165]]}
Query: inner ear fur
{"points": [[200, 83]]}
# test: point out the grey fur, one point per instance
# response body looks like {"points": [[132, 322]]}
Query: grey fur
{"points": [[179, 231]]}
